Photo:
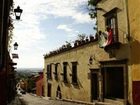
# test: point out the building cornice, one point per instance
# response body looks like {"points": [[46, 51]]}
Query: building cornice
{"points": [[76, 45]]}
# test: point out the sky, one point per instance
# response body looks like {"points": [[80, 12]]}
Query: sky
{"points": [[46, 25]]}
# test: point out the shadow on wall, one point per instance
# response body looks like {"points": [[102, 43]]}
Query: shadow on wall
{"points": [[135, 52]]}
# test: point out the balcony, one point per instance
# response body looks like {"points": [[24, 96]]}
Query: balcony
{"points": [[109, 39], [113, 46]]}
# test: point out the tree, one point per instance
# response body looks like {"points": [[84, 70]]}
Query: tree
{"points": [[92, 8], [92, 4]]}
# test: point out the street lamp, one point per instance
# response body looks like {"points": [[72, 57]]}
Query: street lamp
{"points": [[15, 46], [18, 12]]}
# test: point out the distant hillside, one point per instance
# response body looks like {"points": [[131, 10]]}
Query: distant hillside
{"points": [[25, 72], [29, 69]]}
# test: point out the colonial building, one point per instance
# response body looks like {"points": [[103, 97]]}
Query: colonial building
{"points": [[100, 71], [67, 71]]}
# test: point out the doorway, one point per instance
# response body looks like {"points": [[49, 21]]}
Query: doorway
{"points": [[113, 82], [94, 86], [49, 89]]}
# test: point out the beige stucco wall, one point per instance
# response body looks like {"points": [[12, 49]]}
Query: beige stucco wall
{"points": [[123, 31], [44, 80], [108, 5], [81, 55], [134, 24], [134, 20]]}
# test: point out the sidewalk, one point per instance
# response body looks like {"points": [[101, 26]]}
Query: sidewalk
{"points": [[16, 101]]}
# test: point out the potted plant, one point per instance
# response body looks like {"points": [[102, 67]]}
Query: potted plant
{"points": [[87, 39], [76, 43], [91, 38], [68, 45]]}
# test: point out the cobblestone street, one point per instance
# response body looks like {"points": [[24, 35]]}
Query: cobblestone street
{"points": [[35, 100]]}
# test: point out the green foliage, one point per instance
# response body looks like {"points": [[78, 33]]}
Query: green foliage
{"points": [[92, 10], [93, 14], [31, 84], [92, 2], [10, 32], [10, 25]]}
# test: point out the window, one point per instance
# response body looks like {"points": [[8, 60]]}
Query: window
{"points": [[56, 72], [111, 22], [65, 72], [74, 72], [49, 72]]}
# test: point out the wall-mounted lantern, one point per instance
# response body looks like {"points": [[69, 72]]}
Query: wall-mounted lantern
{"points": [[15, 46], [90, 60], [18, 12]]}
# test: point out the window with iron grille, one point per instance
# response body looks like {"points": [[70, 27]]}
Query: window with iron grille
{"points": [[74, 72], [65, 72], [49, 72], [111, 22]]}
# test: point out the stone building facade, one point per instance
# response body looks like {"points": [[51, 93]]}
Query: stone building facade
{"points": [[86, 73], [67, 74], [106, 70]]}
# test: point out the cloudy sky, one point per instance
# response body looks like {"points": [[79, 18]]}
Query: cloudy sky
{"points": [[47, 24]]}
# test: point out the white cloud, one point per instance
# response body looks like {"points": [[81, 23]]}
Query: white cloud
{"points": [[36, 10], [71, 33], [64, 27], [33, 60], [28, 33], [58, 8], [66, 8]]}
